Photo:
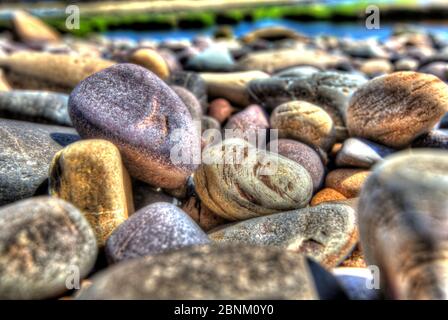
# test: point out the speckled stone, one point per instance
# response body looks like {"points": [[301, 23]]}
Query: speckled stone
{"points": [[361, 153], [238, 181], [403, 222], [151, 60], [193, 83], [221, 110], [250, 124], [90, 175], [327, 233], [41, 239], [347, 181], [47, 71], [144, 195], [190, 102], [213, 59], [36, 106], [154, 229], [129, 106], [202, 215], [232, 85], [303, 121], [329, 90], [26, 150], [32, 30], [395, 109], [208, 272], [357, 283], [434, 139], [326, 195], [303, 155]]}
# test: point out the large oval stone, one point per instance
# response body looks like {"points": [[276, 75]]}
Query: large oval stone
{"points": [[238, 181], [208, 272], [43, 242], [395, 109], [131, 107], [403, 221], [326, 232]]}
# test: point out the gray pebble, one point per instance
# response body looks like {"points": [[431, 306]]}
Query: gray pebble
{"points": [[361, 153]]}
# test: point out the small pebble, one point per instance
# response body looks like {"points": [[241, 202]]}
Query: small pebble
{"points": [[361, 153], [326, 195], [151, 60], [347, 181]]}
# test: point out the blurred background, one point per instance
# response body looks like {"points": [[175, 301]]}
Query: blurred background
{"points": [[183, 19]]}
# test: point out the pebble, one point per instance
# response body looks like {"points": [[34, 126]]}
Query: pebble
{"points": [[272, 33], [47, 71], [129, 106], [395, 109], [376, 67], [438, 69], [357, 283], [151, 60], [232, 85], [238, 181], [327, 233], [406, 64], [271, 61], [4, 85], [194, 83], [154, 229], [35, 106], [305, 122], [26, 150], [75, 174], [212, 59], [329, 90], [326, 195], [32, 30], [190, 102], [297, 72], [250, 124], [361, 153], [220, 110], [41, 240], [433, 139], [208, 272], [402, 221], [304, 155], [347, 181]]}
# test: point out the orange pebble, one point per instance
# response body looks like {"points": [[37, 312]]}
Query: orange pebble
{"points": [[326, 195]]}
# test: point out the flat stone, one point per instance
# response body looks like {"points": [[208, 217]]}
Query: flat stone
{"points": [[361, 153], [26, 150], [208, 272], [90, 175], [232, 85], [403, 218], [131, 107], [35, 106], [154, 229], [32, 30], [48, 71], [43, 242], [214, 59], [395, 109], [327, 233], [238, 181], [304, 155], [306, 122]]}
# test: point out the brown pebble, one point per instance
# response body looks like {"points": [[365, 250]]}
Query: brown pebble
{"points": [[347, 181], [202, 215]]}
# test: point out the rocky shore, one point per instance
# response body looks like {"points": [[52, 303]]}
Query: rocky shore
{"points": [[270, 166]]}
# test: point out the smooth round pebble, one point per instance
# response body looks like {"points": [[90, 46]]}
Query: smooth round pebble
{"points": [[347, 181]]}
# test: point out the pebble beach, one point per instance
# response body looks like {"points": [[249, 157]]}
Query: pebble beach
{"points": [[271, 165]]}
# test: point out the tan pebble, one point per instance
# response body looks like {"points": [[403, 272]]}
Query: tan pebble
{"points": [[151, 60], [90, 175], [326, 195], [347, 181], [305, 122], [30, 29], [374, 67]]}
